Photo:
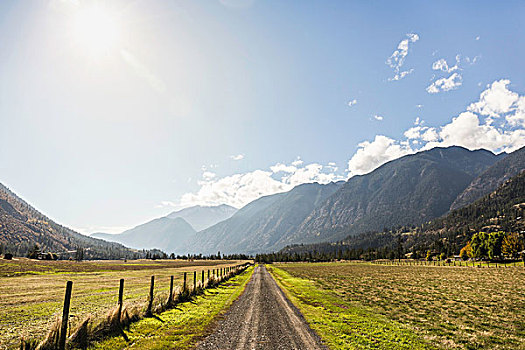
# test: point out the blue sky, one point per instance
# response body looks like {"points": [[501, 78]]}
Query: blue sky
{"points": [[113, 113]]}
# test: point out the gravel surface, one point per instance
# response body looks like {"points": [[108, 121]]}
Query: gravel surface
{"points": [[262, 318]]}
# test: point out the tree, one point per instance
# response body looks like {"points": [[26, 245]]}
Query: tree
{"points": [[494, 243], [466, 252], [34, 252], [79, 254], [479, 245], [512, 245]]}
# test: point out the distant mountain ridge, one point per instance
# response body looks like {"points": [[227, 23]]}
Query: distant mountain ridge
{"points": [[263, 224], [22, 226], [202, 217], [170, 233], [164, 233]]}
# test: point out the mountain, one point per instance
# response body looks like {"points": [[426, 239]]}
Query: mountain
{"points": [[167, 234], [22, 226], [264, 224], [202, 217], [490, 179], [500, 210], [407, 191]]}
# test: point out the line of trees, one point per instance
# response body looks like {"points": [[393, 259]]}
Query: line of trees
{"points": [[493, 246]]}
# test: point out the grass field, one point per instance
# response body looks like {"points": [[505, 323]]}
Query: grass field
{"points": [[183, 326], [360, 306], [32, 291]]}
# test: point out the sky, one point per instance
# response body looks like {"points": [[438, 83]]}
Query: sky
{"points": [[114, 113]]}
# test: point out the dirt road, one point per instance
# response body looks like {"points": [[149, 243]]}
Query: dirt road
{"points": [[262, 318]]}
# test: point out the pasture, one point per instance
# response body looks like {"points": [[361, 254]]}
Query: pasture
{"points": [[32, 291], [361, 305]]}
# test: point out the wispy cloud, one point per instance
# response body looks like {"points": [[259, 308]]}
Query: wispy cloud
{"points": [[442, 65], [378, 117], [397, 59], [352, 102], [237, 157], [446, 84]]}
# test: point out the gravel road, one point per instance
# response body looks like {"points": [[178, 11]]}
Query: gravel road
{"points": [[262, 318]]}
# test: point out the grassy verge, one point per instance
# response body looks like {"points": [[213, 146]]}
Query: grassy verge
{"points": [[183, 326], [342, 324]]}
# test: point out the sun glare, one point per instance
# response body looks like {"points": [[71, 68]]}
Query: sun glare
{"points": [[96, 30]]}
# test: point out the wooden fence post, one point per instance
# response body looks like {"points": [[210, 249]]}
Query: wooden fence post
{"points": [[151, 287], [194, 281], [208, 274], [202, 278], [65, 316], [170, 298], [120, 297]]}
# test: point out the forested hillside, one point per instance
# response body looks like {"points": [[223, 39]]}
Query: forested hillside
{"points": [[502, 210], [22, 226], [407, 191], [490, 179]]}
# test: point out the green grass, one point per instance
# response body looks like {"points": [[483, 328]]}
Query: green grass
{"points": [[183, 326], [448, 307], [342, 324]]}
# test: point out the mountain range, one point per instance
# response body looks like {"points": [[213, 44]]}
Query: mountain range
{"points": [[263, 224], [171, 233], [410, 190], [413, 190]]}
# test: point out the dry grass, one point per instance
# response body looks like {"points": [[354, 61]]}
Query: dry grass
{"points": [[31, 303], [452, 307]]}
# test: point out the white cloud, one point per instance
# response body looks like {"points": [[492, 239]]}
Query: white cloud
{"points": [[279, 167], [208, 175], [397, 59], [496, 100], [401, 75], [496, 122], [237, 157], [413, 133], [378, 117], [477, 38], [352, 102], [239, 189], [297, 162], [442, 65], [371, 155], [164, 204], [445, 84]]}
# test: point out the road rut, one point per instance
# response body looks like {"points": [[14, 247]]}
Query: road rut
{"points": [[262, 318]]}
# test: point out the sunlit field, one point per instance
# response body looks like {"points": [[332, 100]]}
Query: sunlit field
{"points": [[33, 291], [446, 307]]}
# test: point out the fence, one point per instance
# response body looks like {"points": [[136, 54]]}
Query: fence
{"points": [[121, 317], [452, 263]]}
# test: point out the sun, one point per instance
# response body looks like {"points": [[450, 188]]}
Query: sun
{"points": [[96, 30]]}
